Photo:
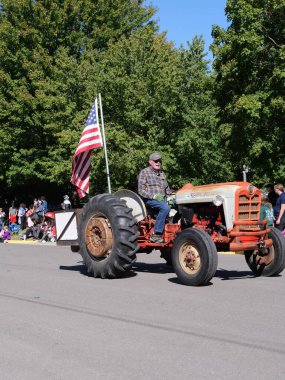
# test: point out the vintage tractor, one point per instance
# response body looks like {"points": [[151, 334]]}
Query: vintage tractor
{"points": [[111, 229]]}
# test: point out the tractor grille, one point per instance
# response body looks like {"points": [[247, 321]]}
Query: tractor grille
{"points": [[248, 207]]}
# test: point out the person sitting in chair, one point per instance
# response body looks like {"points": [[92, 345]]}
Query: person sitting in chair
{"points": [[153, 188]]}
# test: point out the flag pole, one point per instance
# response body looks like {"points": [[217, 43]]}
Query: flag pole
{"points": [[104, 144]]}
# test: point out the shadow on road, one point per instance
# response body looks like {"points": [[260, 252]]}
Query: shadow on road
{"points": [[225, 274], [175, 280], [76, 268], [160, 268], [222, 274], [82, 269]]}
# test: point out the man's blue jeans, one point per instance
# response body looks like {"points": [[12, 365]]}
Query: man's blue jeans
{"points": [[163, 210]]}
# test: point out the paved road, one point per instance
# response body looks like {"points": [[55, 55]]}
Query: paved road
{"points": [[58, 323]]}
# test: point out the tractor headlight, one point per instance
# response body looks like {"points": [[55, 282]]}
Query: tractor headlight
{"points": [[218, 200], [250, 189]]}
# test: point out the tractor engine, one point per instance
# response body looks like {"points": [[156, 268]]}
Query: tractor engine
{"points": [[205, 216]]}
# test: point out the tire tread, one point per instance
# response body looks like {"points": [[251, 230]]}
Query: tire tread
{"points": [[124, 228]]}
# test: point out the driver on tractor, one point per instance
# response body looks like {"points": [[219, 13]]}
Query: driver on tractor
{"points": [[153, 188]]}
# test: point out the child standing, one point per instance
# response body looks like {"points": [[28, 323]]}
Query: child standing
{"points": [[21, 215], [66, 205], [266, 211], [13, 212]]}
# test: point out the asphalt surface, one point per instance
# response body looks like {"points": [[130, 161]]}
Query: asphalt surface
{"points": [[58, 323]]}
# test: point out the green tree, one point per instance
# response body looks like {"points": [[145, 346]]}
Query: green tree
{"points": [[250, 86], [157, 97], [200, 154], [140, 79], [47, 51], [55, 56]]}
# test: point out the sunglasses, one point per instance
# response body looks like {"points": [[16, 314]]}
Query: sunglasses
{"points": [[156, 161]]}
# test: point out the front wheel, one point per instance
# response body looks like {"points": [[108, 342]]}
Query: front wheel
{"points": [[271, 262], [194, 257]]}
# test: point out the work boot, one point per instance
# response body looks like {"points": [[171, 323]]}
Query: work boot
{"points": [[155, 238]]}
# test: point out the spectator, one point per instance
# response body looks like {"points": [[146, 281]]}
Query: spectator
{"points": [[13, 212], [266, 211], [29, 214], [22, 215], [272, 196], [32, 218], [2, 218], [44, 204], [36, 203], [5, 235], [279, 209], [49, 232], [66, 205], [40, 209], [35, 231]]}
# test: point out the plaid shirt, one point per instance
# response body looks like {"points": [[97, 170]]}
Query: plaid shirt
{"points": [[152, 182]]}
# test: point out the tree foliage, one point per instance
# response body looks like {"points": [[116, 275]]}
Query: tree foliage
{"points": [[56, 55], [158, 98], [200, 154], [47, 50], [250, 86]]}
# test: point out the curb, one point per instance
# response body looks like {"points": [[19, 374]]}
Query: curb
{"points": [[232, 253], [30, 242], [21, 242]]}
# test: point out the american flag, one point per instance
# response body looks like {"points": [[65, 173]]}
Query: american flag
{"points": [[81, 163]]}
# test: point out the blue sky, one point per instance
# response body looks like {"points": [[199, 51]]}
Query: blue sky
{"points": [[183, 19]]}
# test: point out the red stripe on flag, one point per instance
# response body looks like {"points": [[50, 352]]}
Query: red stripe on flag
{"points": [[81, 163], [91, 134], [94, 129], [84, 173], [93, 146], [81, 169], [86, 139]]}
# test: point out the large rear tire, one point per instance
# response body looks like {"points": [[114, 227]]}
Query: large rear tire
{"points": [[107, 236], [273, 262], [194, 257]]}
